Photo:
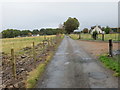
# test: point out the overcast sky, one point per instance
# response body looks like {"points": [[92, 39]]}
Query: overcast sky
{"points": [[37, 15]]}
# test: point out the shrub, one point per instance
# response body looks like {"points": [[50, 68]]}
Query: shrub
{"points": [[94, 35]]}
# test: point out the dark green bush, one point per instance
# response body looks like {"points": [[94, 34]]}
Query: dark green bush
{"points": [[94, 35]]}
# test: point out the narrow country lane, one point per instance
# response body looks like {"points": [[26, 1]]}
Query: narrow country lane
{"points": [[72, 67]]}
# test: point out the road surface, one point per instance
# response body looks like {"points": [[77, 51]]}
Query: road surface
{"points": [[72, 67]]}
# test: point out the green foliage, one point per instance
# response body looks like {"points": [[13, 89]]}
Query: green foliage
{"points": [[35, 31], [85, 30], [111, 64], [71, 24], [107, 30], [25, 32], [94, 35], [10, 33], [50, 31]]}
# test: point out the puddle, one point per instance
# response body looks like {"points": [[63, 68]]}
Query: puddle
{"points": [[97, 85], [77, 51], [66, 63], [86, 60], [62, 53], [97, 75], [117, 52]]}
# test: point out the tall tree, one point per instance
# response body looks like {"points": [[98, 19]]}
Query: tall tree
{"points": [[71, 24]]}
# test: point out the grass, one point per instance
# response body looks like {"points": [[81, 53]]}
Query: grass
{"points": [[111, 63], [19, 43], [34, 75], [114, 37], [74, 36]]}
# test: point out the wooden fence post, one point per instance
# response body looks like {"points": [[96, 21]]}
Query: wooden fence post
{"points": [[34, 55], [43, 46], [13, 63], [110, 48], [48, 42], [44, 37], [51, 41], [103, 37], [56, 39]]}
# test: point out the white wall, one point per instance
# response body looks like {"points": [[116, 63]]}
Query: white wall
{"points": [[96, 29]]}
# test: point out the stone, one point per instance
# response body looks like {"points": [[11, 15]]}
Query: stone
{"points": [[23, 56]]}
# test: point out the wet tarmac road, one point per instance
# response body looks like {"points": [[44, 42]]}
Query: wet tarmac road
{"points": [[72, 67]]}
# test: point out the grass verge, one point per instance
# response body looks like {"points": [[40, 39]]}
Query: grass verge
{"points": [[114, 37], [37, 72], [111, 63]]}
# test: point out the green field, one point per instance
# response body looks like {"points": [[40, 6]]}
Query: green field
{"points": [[114, 37], [21, 42]]}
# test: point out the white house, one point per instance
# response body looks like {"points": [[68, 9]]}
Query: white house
{"points": [[96, 28], [77, 31], [36, 35]]}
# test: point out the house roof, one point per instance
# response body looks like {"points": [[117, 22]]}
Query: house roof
{"points": [[96, 26]]}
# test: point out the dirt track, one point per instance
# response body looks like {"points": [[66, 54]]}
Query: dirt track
{"points": [[96, 48], [73, 67]]}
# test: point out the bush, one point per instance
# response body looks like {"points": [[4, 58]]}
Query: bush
{"points": [[85, 30], [107, 30], [94, 35]]}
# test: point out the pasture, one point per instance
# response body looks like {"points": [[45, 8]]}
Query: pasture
{"points": [[114, 37], [21, 42]]}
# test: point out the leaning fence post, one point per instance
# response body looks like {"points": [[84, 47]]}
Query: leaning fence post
{"points": [[103, 35], [13, 63], [48, 42], [110, 48], [34, 57], [51, 41], [56, 39], [43, 46]]}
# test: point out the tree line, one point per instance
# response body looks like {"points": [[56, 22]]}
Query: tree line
{"points": [[11, 33], [67, 27]]}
